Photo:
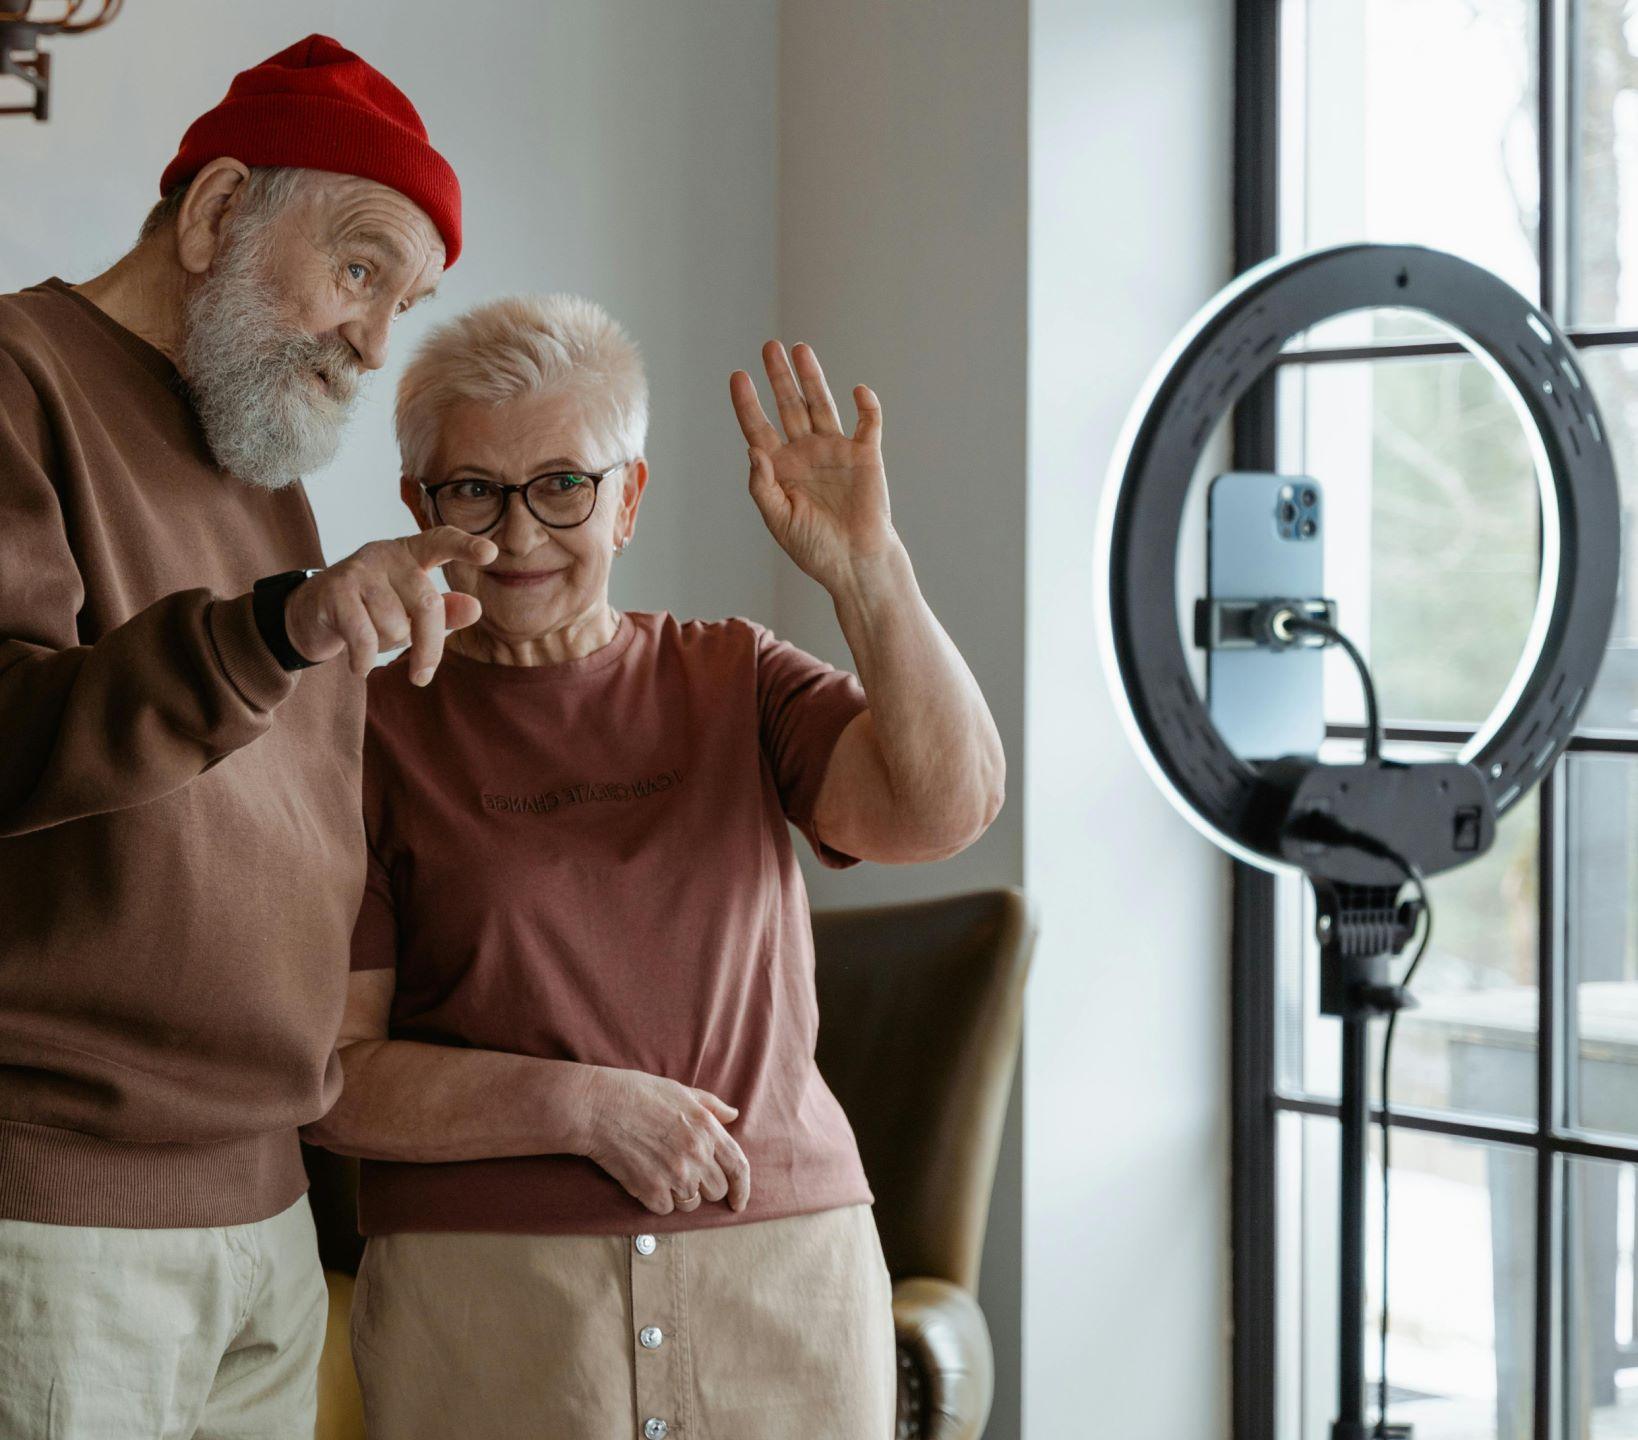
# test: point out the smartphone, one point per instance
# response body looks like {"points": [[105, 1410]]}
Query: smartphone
{"points": [[1265, 541]]}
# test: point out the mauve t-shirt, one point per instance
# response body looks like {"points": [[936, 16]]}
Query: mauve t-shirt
{"points": [[591, 861]]}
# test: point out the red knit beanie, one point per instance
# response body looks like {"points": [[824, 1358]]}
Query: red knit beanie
{"points": [[318, 106]]}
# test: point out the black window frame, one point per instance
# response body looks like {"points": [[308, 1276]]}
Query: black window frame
{"points": [[1255, 1099]]}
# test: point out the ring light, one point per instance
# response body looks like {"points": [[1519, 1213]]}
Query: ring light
{"points": [[1358, 831], [1229, 346]]}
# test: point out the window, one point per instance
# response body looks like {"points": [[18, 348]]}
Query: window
{"points": [[1505, 131]]}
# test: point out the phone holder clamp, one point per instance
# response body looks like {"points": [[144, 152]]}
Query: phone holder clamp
{"points": [[1259, 624]]}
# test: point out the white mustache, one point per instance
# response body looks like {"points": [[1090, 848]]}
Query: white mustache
{"points": [[332, 360]]}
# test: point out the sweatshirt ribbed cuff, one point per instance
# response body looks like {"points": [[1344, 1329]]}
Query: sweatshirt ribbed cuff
{"points": [[242, 654]]}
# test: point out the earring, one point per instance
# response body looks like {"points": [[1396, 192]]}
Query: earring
{"points": [[620, 549]]}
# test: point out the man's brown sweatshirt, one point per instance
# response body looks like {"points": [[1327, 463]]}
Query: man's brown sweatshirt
{"points": [[181, 851]]}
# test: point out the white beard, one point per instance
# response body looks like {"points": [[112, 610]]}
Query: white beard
{"points": [[250, 373]]}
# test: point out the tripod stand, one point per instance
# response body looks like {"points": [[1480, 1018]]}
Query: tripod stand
{"points": [[1359, 927]]}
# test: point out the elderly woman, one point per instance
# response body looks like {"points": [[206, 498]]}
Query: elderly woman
{"points": [[607, 1192]]}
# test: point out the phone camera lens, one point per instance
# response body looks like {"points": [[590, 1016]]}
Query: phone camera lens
{"points": [[1308, 528], [1288, 511], [1310, 499]]}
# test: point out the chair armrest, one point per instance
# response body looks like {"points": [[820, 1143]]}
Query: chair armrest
{"points": [[946, 1364], [340, 1406]]}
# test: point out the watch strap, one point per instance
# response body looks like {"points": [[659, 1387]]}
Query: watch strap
{"points": [[267, 605]]}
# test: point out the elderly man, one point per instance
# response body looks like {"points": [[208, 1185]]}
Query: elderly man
{"points": [[180, 849]]}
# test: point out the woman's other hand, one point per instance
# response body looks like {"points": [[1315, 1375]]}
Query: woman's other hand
{"points": [[665, 1142], [822, 493]]}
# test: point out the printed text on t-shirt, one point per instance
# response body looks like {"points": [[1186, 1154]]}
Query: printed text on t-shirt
{"points": [[544, 802]]}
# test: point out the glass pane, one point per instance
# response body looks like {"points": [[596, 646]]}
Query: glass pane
{"points": [[1462, 1265], [1604, 225], [1415, 120], [1601, 1228], [1305, 1060], [1298, 1274], [1470, 1045], [1602, 880], [1370, 327], [1613, 375], [1432, 535]]}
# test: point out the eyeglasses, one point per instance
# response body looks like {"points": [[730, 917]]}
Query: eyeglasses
{"points": [[560, 501]]}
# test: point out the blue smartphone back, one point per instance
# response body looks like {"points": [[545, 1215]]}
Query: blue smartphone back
{"points": [[1266, 703]]}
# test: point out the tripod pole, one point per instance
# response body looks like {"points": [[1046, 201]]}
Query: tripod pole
{"points": [[1350, 1424], [1359, 928]]}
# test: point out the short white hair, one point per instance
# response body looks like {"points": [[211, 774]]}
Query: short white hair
{"points": [[526, 345]]}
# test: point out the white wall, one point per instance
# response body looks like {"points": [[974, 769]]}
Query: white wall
{"points": [[902, 254], [621, 148], [1125, 1074]]}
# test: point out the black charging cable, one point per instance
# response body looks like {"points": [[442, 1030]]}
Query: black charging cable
{"points": [[1283, 623], [1414, 875]]}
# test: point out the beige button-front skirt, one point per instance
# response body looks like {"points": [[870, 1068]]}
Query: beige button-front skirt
{"points": [[763, 1331]]}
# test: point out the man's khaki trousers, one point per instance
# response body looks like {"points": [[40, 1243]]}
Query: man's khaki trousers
{"points": [[209, 1334]]}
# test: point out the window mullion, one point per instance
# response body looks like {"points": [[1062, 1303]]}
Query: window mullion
{"points": [[1551, 92], [1551, 1111], [1569, 190], [1555, 85]]}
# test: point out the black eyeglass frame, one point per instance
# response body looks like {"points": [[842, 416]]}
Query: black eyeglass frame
{"points": [[597, 477]]}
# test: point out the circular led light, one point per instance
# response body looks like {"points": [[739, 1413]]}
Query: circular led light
{"points": [[1225, 350]]}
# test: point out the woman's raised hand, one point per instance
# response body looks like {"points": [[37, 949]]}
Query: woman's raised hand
{"points": [[665, 1142], [823, 493]]}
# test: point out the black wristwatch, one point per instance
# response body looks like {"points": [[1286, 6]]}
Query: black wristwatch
{"points": [[267, 605]]}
